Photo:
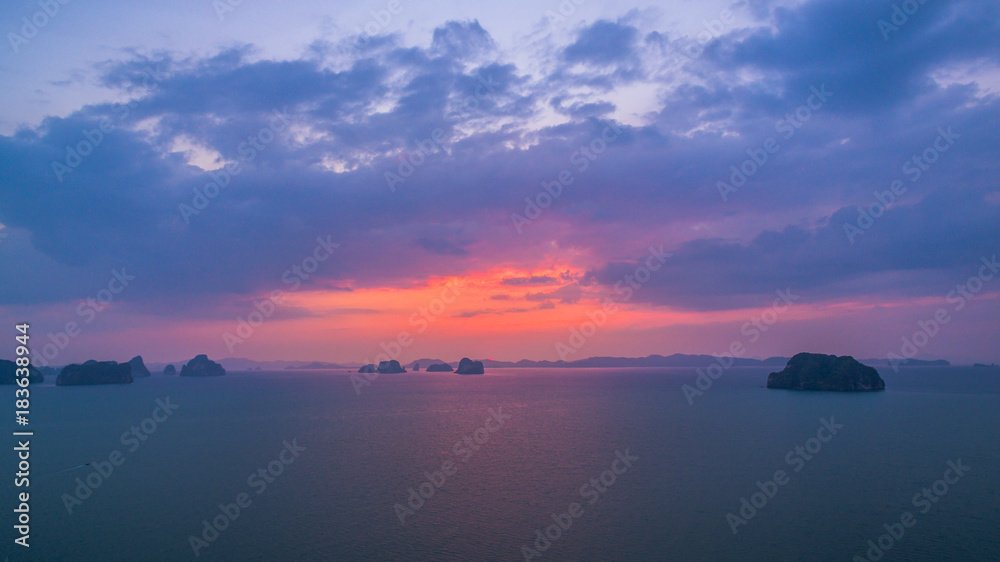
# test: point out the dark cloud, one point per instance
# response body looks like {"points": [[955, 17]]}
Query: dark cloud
{"points": [[533, 280], [461, 40], [441, 247], [603, 42], [567, 294]]}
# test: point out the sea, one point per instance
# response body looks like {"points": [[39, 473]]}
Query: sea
{"points": [[518, 464]]}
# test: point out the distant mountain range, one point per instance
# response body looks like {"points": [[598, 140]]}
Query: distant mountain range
{"points": [[675, 360]]}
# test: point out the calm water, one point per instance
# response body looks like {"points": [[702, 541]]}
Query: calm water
{"points": [[335, 500]]}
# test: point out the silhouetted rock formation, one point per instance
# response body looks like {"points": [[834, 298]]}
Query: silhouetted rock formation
{"points": [[416, 366], [138, 367], [202, 366], [8, 373], [469, 367], [169, 370], [392, 366], [814, 371], [369, 368], [439, 368], [95, 372]]}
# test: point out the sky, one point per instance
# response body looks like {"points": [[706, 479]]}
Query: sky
{"points": [[541, 180]]}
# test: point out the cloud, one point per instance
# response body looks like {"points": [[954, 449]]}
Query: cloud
{"points": [[441, 247], [532, 280], [603, 42], [356, 115], [461, 40], [567, 294]]}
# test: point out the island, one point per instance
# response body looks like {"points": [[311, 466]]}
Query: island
{"points": [[439, 368], [138, 367], [984, 366], [369, 368], [392, 366], [815, 371], [8, 373], [95, 372], [469, 367], [202, 366], [170, 370]]}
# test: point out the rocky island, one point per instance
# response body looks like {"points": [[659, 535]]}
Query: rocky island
{"points": [[369, 368], [439, 368], [202, 366], [8, 373], [392, 366], [469, 367], [138, 367], [815, 371], [169, 370], [95, 372]]}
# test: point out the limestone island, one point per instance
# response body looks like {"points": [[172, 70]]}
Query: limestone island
{"points": [[439, 368], [8, 373], [369, 368], [95, 372], [469, 367], [169, 370], [392, 366], [815, 371], [138, 367], [202, 366]]}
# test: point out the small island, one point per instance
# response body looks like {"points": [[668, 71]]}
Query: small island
{"points": [[439, 368], [815, 371], [469, 367], [138, 367], [202, 366], [393, 366], [8, 373], [170, 370], [95, 372]]}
